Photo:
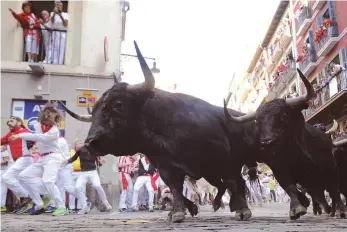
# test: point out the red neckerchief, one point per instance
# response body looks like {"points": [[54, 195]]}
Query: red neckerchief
{"points": [[45, 128], [147, 161]]}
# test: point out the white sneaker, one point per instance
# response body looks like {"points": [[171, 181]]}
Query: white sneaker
{"points": [[85, 210], [107, 206]]}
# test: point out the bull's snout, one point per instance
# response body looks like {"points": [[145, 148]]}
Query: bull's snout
{"points": [[266, 143]]}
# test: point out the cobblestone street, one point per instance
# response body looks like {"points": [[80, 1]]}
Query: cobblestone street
{"points": [[270, 217]]}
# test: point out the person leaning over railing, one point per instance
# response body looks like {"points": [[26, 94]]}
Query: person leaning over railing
{"points": [[337, 70]]}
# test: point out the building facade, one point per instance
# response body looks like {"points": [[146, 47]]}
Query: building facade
{"points": [[322, 42], [93, 39], [311, 36], [271, 72]]}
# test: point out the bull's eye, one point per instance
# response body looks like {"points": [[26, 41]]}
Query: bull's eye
{"points": [[118, 105]]}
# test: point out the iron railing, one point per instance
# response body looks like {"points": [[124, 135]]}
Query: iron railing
{"points": [[332, 31], [323, 93], [311, 58], [305, 14], [47, 45]]}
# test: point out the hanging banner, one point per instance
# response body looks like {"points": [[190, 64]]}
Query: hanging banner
{"points": [[86, 97], [29, 110]]}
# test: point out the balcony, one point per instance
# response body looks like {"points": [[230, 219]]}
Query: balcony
{"points": [[49, 47], [325, 96], [270, 66], [283, 78], [310, 63], [304, 21], [285, 40], [328, 41], [255, 80], [318, 4], [277, 53]]}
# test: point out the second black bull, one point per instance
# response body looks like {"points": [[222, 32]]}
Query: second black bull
{"points": [[296, 151], [180, 134]]}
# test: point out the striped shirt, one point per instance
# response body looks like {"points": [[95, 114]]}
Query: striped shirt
{"points": [[124, 160]]}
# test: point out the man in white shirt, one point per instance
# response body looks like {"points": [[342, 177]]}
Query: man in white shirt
{"points": [[46, 137], [6, 161], [60, 21]]}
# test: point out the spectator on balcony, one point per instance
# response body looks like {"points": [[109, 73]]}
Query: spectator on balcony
{"points": [[60, 21], [29, 23], [46, 26], [337, 69]]}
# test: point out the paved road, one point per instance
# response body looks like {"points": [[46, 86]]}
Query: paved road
{"points": [[270, 217]]}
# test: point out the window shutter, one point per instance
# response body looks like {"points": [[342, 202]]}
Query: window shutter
{"points": [[332, 10], [312, 50], [319, 21], [343, 57]]}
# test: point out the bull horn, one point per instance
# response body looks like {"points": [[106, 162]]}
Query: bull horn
{"points": [[340, 143], [240, 119], [89, 110], [305, 98], [83, 118], [333, 128], [149, 82]]}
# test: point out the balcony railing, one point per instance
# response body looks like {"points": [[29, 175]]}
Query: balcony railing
{"points": [[328, 41], [317, 4], [324, 94], [45, 45], [304, 20], [309, 63], [277, 52], [283, 78]]}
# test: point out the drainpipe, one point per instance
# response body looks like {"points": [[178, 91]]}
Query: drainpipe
{"points": [[294, 46]]}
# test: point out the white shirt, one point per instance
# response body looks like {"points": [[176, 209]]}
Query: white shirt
{"points": [[58, 23], [45, 142], [64, 147]]}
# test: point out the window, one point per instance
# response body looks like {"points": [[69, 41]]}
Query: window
{"points": [[40, 44]]}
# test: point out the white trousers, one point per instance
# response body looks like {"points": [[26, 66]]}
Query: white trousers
{"points": [[94, 179], [59, 41], [31, 44], [47, 167], [11, 176], [65, 182], [126, 195], [47, 38], [3, 190], [143, 181], [72, 199]]}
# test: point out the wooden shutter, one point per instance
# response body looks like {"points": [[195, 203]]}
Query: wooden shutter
{"points": [[332, 10], [312, 50], [343, 57]]}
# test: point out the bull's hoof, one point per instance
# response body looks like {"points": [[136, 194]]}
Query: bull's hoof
{"points": [[341, 213], [328, 210], [243, 215], [297, 212], [216, 205], [332, 214], [317, 210], [177, 217], [193, 210]]}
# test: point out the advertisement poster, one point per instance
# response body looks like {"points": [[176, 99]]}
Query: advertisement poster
{"points": [[28, 110]]}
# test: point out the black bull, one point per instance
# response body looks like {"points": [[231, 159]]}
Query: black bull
{"points": [[180, 134], [296, 151]]}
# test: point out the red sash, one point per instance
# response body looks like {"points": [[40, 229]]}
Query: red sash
{"points": [[154, 178], [124, 181]]}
